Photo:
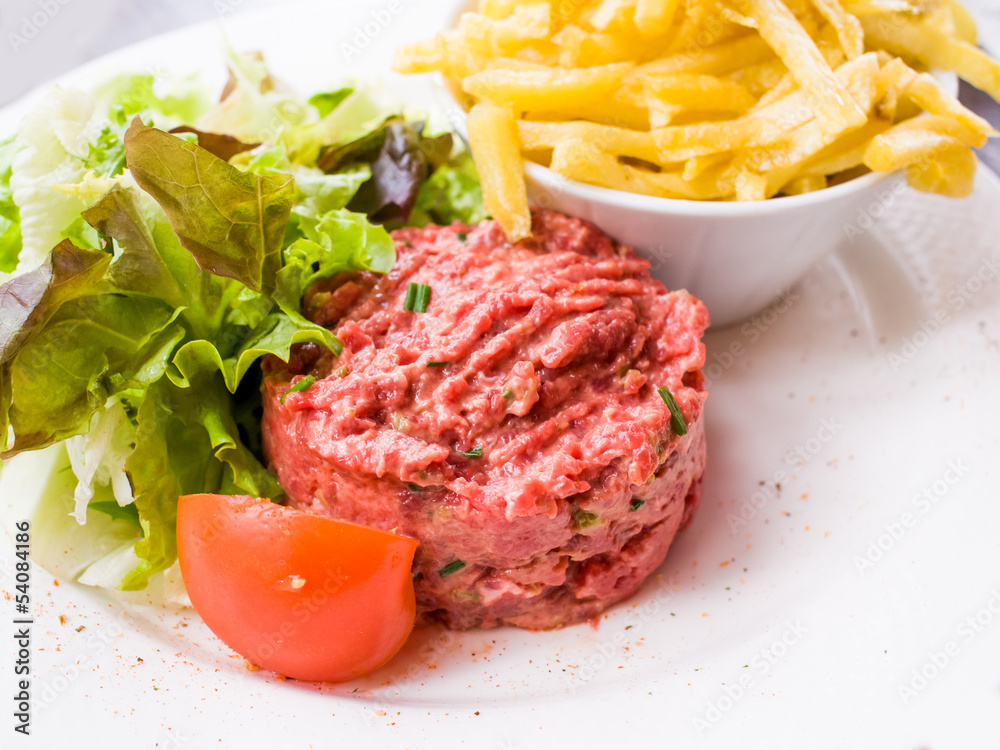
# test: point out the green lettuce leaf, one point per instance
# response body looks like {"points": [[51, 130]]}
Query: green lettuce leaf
{"points": [[50, 141], [452, 193], [28, 301], [232, 222], [327, 101], [171, 458], [337, 241], [91, 349], [10, 218], [164, 99]]}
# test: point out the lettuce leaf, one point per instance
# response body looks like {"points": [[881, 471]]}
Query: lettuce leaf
{"points": [[232, 222], [91, 349], [337, 241], [171, 458], [164, 99], [10, 218], [49, 143], [452, 193], [29, 300]]}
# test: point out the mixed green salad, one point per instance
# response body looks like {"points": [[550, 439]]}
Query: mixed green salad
{"points": [[154, 246]]}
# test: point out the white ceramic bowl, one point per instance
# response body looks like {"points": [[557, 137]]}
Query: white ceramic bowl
{"points": [[737, 257]]}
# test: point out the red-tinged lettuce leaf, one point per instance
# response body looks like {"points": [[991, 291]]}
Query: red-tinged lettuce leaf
{"points": [[218, 144], [5, 398], [232, 222], [363, 150], [29, 300], [400, 170]]}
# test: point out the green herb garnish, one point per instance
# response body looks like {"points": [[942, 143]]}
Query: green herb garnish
{"points": [[414, 487], [303, 385], [418, 296], [438, 364], [453, 567], [583, 519], [476, 452], [636, 504], [676, 418], [462, 236]]}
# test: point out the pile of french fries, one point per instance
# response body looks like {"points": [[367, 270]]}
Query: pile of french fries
{"points": [[712, 99]]}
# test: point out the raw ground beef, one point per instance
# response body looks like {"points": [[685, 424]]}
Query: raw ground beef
{"points": [[514, 428]]}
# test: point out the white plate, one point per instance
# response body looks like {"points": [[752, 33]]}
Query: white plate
{"points": [[762, 631]]}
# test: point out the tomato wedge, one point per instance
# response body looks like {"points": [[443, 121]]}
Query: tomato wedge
{"points": [[302, 595]]}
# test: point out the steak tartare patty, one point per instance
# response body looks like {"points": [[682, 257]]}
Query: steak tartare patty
{"points": [[514, 428]]}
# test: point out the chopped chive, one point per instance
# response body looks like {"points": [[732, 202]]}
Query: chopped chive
{"points": [[476, 452], [676, 418], [462, 236], [636, 504], [453, 567], [414, 487], [303, 385], [418, 296], [438, 364], [583, 519]]}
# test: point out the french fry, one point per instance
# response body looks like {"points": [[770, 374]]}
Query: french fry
{"points": [[802, 143], [718, 59], [611, 14], [807, 183], [925, 90], [847, 152], [654, 17], [537, 136], [751, 186], [934, 161], [703, 93], [621, 115], [682, 142], [862, 8], [698, 165], [779, 27], [497, 9], [849, 30], [526, 24], [701, 25], [962, 22], [582, 161], [445, 53], [494, 144], [546, 91], [761, 78], [579, 48], [918, 41]]}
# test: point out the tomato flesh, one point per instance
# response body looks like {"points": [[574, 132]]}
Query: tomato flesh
{"points": [[302, 595]]}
